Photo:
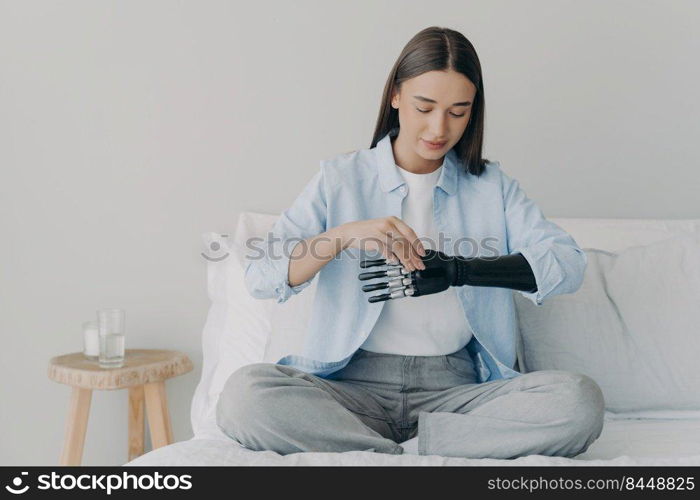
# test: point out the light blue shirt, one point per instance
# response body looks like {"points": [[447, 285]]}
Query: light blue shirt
{"points": [[489, 214]]}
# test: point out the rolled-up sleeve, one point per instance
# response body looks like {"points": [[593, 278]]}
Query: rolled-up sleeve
{"points": [[556, 260], [267, 269]]}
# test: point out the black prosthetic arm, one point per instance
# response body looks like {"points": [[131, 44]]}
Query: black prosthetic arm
{"points": [[443, 271], [506, 271]]}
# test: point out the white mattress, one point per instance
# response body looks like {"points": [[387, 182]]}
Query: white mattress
{"points": [[622, 442]]}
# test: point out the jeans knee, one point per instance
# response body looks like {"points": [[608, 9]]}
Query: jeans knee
{"points": [[241, 402], [588, 406]]}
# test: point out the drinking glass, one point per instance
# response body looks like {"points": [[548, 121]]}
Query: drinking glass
{"points": [[111, 323]]}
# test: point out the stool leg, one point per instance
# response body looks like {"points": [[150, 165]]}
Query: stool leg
{"points": [[136, 421], [76, 425], [158, 415]]}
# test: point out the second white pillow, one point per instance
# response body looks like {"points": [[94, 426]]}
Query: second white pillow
{"points": [[632, 326]]}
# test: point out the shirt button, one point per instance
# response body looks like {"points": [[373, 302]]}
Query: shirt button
{"points": [[403, 189]]}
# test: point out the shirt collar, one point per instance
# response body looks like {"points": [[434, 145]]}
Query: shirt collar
{"points": [[390, 178]]}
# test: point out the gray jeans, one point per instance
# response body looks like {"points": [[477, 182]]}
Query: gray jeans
{"points": [[380, 400]]}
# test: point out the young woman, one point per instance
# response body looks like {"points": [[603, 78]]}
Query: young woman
{"points": [[430, 374]]}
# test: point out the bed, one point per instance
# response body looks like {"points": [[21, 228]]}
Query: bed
{"points": [[623, 442], [644, 425]]}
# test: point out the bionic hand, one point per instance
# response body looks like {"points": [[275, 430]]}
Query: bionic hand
{"points": [[443, 271]]}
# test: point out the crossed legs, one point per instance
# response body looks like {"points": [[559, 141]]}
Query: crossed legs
{"points": [[273, 407]]}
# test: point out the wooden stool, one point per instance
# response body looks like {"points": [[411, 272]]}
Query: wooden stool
{"points": [[144, 373]]}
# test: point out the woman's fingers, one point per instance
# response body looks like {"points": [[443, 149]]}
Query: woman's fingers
{"points": [[415, 247], [402, 248], [389, 255], [392, 259], [393, 248]]}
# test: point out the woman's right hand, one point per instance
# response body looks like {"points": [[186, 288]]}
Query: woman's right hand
{"points": [[391, 236]]}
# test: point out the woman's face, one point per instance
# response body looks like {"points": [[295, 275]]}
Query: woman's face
{"points": [[433, 107]]}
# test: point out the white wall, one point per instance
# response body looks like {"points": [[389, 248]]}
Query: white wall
{"points": [[128, 128]]}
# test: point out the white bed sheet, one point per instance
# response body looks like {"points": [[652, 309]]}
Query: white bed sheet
{"points": [[622, 442]]}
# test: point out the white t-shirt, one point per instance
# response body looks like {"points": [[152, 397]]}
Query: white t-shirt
{"points": [[429, 325]]}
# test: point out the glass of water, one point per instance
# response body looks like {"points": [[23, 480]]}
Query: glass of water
{"points": [[111, 323]]}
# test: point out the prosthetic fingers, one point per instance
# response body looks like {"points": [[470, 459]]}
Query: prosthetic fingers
{"points": [[443, 271]]}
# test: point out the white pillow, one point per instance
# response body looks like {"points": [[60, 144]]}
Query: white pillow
{"points": [[632, 326], [235, 333], [240, 329], [289, 321]]}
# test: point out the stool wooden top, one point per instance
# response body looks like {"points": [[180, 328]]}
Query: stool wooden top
{"points": [[141, 366]]}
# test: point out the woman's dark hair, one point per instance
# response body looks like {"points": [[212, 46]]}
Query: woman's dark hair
{"points": [[439, 49]]}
